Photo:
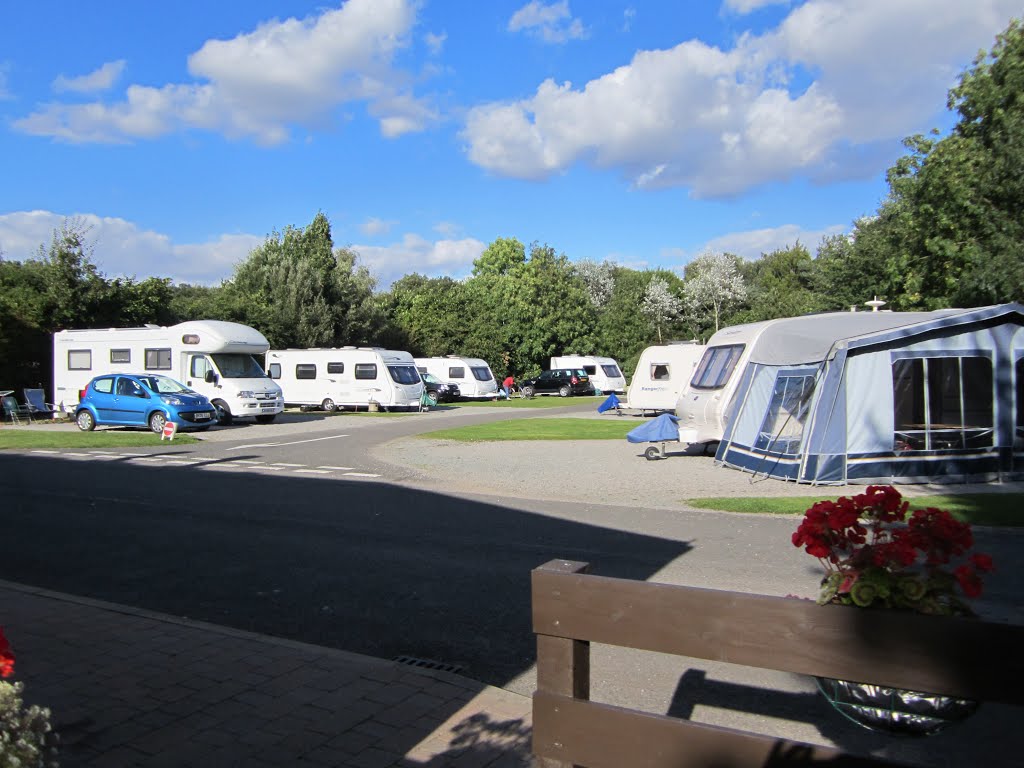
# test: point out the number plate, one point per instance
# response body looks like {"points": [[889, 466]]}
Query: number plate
{"points": [[202, 416]]}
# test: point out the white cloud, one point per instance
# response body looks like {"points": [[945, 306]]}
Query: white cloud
{"points": [[748, 6], [374, 227], [122, 249], [260, 84], [753, 243], [815, 96], [552, 23], [452, 258], [97, 80], [435, 42]]}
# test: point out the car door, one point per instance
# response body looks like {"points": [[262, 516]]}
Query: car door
{"points": [[548, 381], [131, 402], [101, 395]]}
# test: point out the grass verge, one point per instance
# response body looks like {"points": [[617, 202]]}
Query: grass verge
{"points": [[537, 429], [29, 439], [548, 401], [976, 508]]}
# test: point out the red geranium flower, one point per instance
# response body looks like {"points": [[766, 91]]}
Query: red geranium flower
{"points": [[6, 656]]}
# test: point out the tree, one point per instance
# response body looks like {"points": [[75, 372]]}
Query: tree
{"points": [[779, 284], [75, 292], [712, 284], [500, 257], [599, 280], [660, 305]]}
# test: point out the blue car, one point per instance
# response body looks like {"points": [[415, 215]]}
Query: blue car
{"points": [[142, 400]]}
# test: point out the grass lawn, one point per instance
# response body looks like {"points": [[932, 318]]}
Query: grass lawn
{"points": [[521, 402], [27, 439], [538, 429], [975, 508]]}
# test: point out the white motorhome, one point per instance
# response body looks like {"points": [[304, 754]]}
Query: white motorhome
{"points": [[604, 372], [213, 357], [471, 375], [661, 374], [346, 377]]}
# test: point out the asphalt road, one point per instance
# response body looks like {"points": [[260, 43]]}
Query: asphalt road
{"points": [[298, 530]]}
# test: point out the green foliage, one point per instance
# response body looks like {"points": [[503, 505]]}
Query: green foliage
{"points": [[779, 284], [537, 429]]}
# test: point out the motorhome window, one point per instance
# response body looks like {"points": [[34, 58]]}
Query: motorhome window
{"points": [[104, 386], [79, 359], [421, 368], [366, 371], [481, 373], [274, 370], [158, 359], [305, 371], [716, 366], [942, 402], [120, 356], [661, 372], [238, 366], [404, 374], [335, 367], [199, 366], [783, 425], [611, 371], [457, 373]]}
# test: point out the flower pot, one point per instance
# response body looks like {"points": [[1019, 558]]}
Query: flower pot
{"points": [[894, 710]]}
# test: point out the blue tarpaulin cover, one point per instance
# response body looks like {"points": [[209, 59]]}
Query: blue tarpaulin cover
{"points": [[662, 429], [607, 405]]}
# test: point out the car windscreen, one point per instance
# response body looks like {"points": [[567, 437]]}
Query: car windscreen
{"points": [[238, 366], [404, 374], [612, 371], [481, 373], [162, 385]]}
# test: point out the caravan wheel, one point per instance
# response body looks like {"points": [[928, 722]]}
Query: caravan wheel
{"points": [[652, 453], [329, 405]]}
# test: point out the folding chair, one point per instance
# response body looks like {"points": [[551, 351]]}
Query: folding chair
{"points": [[13, 410], [37, 406]]}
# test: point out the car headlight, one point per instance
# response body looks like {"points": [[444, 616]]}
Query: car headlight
{"points": [[172, 400], [246, 394]]}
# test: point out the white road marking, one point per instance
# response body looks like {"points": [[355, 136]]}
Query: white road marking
{"points": [[274, 445], [360, 474], [79, 455], [311, 471], [286, 464], [336, 469], [248, 461], [39, 450]]}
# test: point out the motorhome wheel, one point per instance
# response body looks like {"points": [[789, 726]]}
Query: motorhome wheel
{"points": [[85, 421], [223, 413]]}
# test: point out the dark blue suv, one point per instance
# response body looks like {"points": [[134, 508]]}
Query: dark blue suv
{"points": [[142, 400]]}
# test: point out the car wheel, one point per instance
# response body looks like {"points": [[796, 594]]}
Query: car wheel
{"points": [[652, 453], [157, 421], [528, 392], [329, 405], [224, 417], [85, 421], [431, 399], [564, 391], [266, 418]]}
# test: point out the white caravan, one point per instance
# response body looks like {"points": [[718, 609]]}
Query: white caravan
{"points": [[661, 374], [213, 357], [604, 372], [471, 375], [346, 377]]}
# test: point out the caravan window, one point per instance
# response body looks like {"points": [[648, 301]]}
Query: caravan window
{"points": [[158, 359], [611, 371], [120, 356], [590, 369], [335, 367], [942, 402], [716, 366], [481, 373], [366, 370], [457, 372], [404, 374], [783, 426], [305, 371], [79, 360], [660, 372]]}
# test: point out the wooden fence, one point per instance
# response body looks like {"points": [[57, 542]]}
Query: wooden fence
{"points": [[963, 658]]}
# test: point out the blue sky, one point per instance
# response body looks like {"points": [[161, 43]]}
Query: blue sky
{"points": [[644, 132]]}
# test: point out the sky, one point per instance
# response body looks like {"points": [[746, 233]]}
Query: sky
{"points": [[181, 135]]}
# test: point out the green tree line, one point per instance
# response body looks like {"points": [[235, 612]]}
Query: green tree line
{"points": [[949, 233]]}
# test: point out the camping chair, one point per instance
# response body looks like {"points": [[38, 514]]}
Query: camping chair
{"points": [[13, 410], [37, 406]]}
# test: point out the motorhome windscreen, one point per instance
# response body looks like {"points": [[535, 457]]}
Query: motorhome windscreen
{"points": [[716, 366], [404, 374], [481, 373], [942, 402], [238, 366], [611, 371]]}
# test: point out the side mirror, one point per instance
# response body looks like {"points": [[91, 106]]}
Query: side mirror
{"points": [[210, 377]]}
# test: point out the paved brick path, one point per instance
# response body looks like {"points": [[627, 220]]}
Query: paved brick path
{"points": [[134, 688]]}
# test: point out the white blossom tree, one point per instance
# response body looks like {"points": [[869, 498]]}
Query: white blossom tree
{"points": [[712, 284], [599, 279], [659, 304]]}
